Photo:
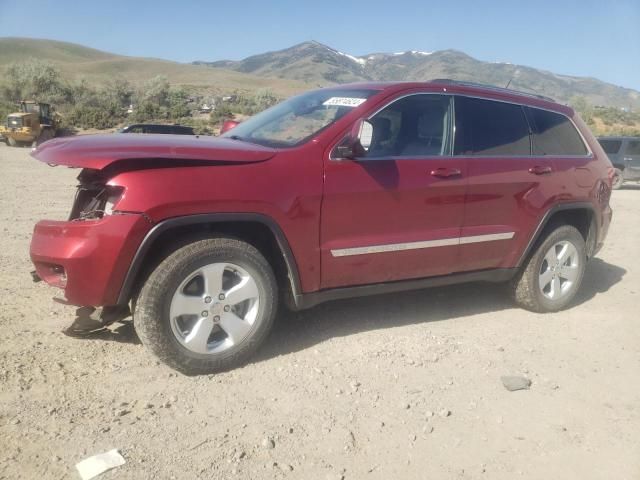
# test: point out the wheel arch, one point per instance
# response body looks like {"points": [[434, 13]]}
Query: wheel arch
{"points": [[580, 215], [257, 229]]}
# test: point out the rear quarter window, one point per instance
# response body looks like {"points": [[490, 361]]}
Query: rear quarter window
{"points": [[554, 134], [610, 146], [487, 127], [633, 147]]}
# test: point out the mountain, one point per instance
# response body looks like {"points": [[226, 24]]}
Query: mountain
{"points": [[318, 64], [310, 64], [76, 61]]}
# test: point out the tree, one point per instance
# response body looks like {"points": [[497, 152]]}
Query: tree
{"points": [[156, 90], [583, 107], [264, 98], [221, 113], [178, 100], [34, 79]]}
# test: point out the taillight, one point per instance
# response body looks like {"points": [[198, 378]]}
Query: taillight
{"points": [[611, 173]]}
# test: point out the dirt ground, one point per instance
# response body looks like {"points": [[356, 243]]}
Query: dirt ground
{"points": [[402, 386]]}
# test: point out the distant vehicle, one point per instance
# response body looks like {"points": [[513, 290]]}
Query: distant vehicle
{"points": [[34, 124], [624, 153], [156, 128], [228, 125]]}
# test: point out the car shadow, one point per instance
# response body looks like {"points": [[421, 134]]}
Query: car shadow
{"points": [[599, 277], [296, 331]]}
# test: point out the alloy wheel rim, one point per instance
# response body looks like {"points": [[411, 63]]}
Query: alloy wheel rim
{"points": [[214, 308], [559, 270]]}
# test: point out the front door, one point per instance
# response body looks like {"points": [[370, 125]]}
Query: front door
{"points": [[395, 213]]}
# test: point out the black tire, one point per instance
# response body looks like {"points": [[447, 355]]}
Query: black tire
{"points": [[45, 135], [618, 179], [152, 306], [525, 288], [12, 142]]}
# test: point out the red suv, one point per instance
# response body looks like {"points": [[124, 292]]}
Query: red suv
{"points": [[346, 191]]}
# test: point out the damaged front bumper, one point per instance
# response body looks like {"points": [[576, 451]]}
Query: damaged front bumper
{"points": [[88, 259]]}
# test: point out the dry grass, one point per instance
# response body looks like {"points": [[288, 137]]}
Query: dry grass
{"points": [[76, 62], [600, 128]]}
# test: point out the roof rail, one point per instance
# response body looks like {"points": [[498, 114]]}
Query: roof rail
{"points": [[463, 83]]}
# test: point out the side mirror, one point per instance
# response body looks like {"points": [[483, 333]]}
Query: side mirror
{"points": [[228, 125], [356, 143]]}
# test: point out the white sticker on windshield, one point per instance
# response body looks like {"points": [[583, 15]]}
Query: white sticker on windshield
{"points": [[345, 101]]}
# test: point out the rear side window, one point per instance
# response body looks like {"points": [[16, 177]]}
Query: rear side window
{"points": [[610, 146], [554, 134], [486, 127], [633, 147]]}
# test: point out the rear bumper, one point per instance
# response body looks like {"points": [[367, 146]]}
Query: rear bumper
{"points": [[87, 259]]}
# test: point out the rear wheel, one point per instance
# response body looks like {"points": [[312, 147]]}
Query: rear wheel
{"points": [[618, 179], [553, 274], [208, 306]]}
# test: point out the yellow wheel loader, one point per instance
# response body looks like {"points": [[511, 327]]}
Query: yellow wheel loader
{"points": [[33, 124]]}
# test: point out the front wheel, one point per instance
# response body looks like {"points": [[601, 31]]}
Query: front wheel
{"points": [[208, 306], [553, 274]]}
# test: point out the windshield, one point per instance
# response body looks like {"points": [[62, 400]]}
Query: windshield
{"points": [[30, 107], [14, 122], [296, 120]]}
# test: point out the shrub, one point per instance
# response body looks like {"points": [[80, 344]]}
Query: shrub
{"points": [[220, 114]]}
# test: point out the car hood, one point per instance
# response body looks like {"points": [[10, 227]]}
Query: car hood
{"points": [[100, 151]]}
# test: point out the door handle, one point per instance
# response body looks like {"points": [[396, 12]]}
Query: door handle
{"points": [[443, 172], [540, 170]]}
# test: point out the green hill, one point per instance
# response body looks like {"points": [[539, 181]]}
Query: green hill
{"points": [[76, 61]]}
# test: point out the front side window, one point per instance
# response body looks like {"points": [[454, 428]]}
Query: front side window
{"points": [[554, 134], [487, 127], [300, 118], [633, 147], [610, 146], [414, 126]]}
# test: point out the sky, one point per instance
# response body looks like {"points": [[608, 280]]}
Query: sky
{"points": [[586, 38]]}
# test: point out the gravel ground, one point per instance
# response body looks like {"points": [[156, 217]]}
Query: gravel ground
{"points": [[399, 386]]}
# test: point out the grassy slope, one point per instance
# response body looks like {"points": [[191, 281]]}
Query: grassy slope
{"points": [[75, 62], [600, 128]]}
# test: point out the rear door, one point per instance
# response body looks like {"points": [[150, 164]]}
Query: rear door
{"points": [[632, 159], [395, 213], [507, 187]]}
